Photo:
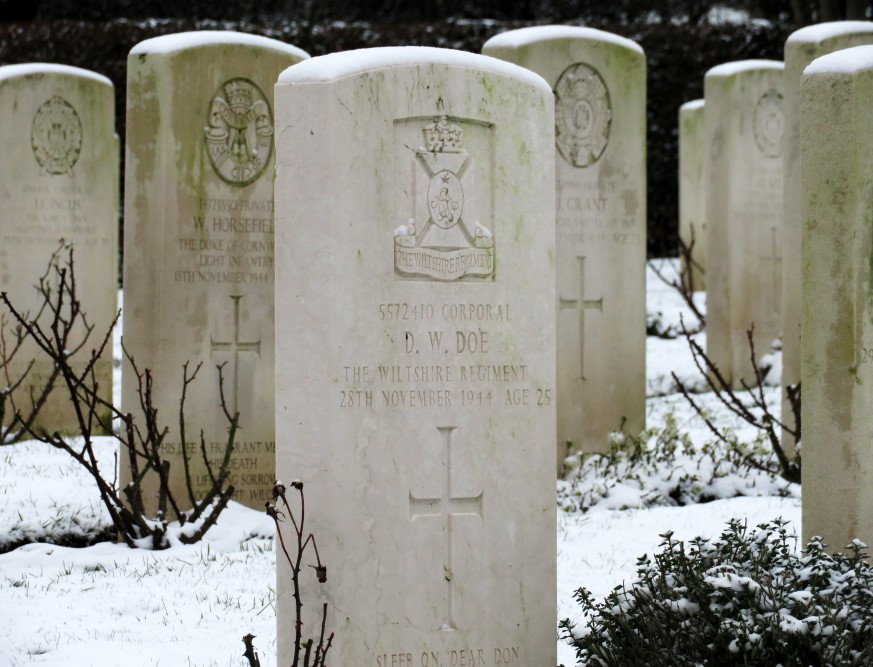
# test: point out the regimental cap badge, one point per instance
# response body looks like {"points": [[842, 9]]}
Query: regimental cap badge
{"points": [[440, 136], [239, 94], [56, 136]]}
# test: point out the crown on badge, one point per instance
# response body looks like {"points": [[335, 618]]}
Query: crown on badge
{"points": [[440, 136], [239, 94]]}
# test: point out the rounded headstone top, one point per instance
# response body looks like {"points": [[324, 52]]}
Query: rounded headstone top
{"points": [[821, 32], [740, 66], [347, 63], [198, 38], [846, 61], [544, 33], [29, 69], [693, 105]]}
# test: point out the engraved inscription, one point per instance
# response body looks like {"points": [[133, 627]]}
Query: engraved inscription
{"points": [[56, 136], [454, 657], [441, 239], [235, 347], [231, 242], [581, 304], [768, 124], [447, 507], [239, 132], [475, 378], [583, 113]]}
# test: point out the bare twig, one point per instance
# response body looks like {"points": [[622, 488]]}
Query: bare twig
{"points": [[56, 338], [758, 415], [684, 286]]}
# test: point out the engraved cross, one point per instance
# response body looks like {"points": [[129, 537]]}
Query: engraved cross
{"points": [[776, 268], [582, 304], [447, 508], [235, 347]]}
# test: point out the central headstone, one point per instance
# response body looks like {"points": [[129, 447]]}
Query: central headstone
{"points": [[199, 237], [60, 181], [743, 184], [801, 48], [599, 82], [416, 354]]}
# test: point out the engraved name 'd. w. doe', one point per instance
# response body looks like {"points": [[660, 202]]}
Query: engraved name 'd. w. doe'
{"points": [[416, 355]]}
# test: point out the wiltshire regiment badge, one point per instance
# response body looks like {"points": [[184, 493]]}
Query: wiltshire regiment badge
{"points": [[443, 238], [239, 133]]}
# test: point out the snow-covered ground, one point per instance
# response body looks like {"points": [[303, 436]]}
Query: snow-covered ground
{"points": [[191, 605]]}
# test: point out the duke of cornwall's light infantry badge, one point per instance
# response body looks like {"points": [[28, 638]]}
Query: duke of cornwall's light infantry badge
{"points": [[56, 136], [239, 134], [582, 115], [768, 124], [441, 241]]}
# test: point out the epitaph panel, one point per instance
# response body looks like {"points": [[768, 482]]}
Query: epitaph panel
{"points": [[836, 141], [743, 189], [200, 240], [599, 83], [415, 359], [60, 182], [802, 47]]}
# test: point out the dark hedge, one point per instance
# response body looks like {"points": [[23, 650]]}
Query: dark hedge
{"points": [[678, 57]]}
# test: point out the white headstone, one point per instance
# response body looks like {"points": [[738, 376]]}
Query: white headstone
{"points": [[692, 202], [802, 47], [599, 81], [199, 237], [61, 174], [743, 189], [415, 369], [836, 142]]}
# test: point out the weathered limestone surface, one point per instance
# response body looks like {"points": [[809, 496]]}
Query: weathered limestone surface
{"points": [[802, 47], [743, 184], [692, 202], [415, 366], [60, 176], [599, 81], [199, 240], [836, 141]]}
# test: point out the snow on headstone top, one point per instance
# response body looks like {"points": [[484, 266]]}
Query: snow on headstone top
{"points": [[524, 36], [824, 31], [847, 61], [338, 65], [198, 38], [692, 105], [28, 69], [732, 68]]}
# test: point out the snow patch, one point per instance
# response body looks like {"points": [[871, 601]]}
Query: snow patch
{"points": [[198, 38], [525, 36], [31, 69], [847, 61]]}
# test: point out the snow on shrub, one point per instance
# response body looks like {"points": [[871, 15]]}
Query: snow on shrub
{"points": [[745, 598]]}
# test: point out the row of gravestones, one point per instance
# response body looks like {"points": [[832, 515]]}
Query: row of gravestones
{"points": [[775, 210], [456, 257], [373, 257]]}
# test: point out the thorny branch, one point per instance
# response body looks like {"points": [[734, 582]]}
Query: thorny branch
{"points": [[310, 659]]}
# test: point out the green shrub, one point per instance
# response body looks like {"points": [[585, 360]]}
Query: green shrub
{"points": [[746, 598]]}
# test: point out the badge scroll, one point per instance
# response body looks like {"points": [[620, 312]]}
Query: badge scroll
{"points": [[56, 136], [583, 114], [239, 133], [441, 240]]}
